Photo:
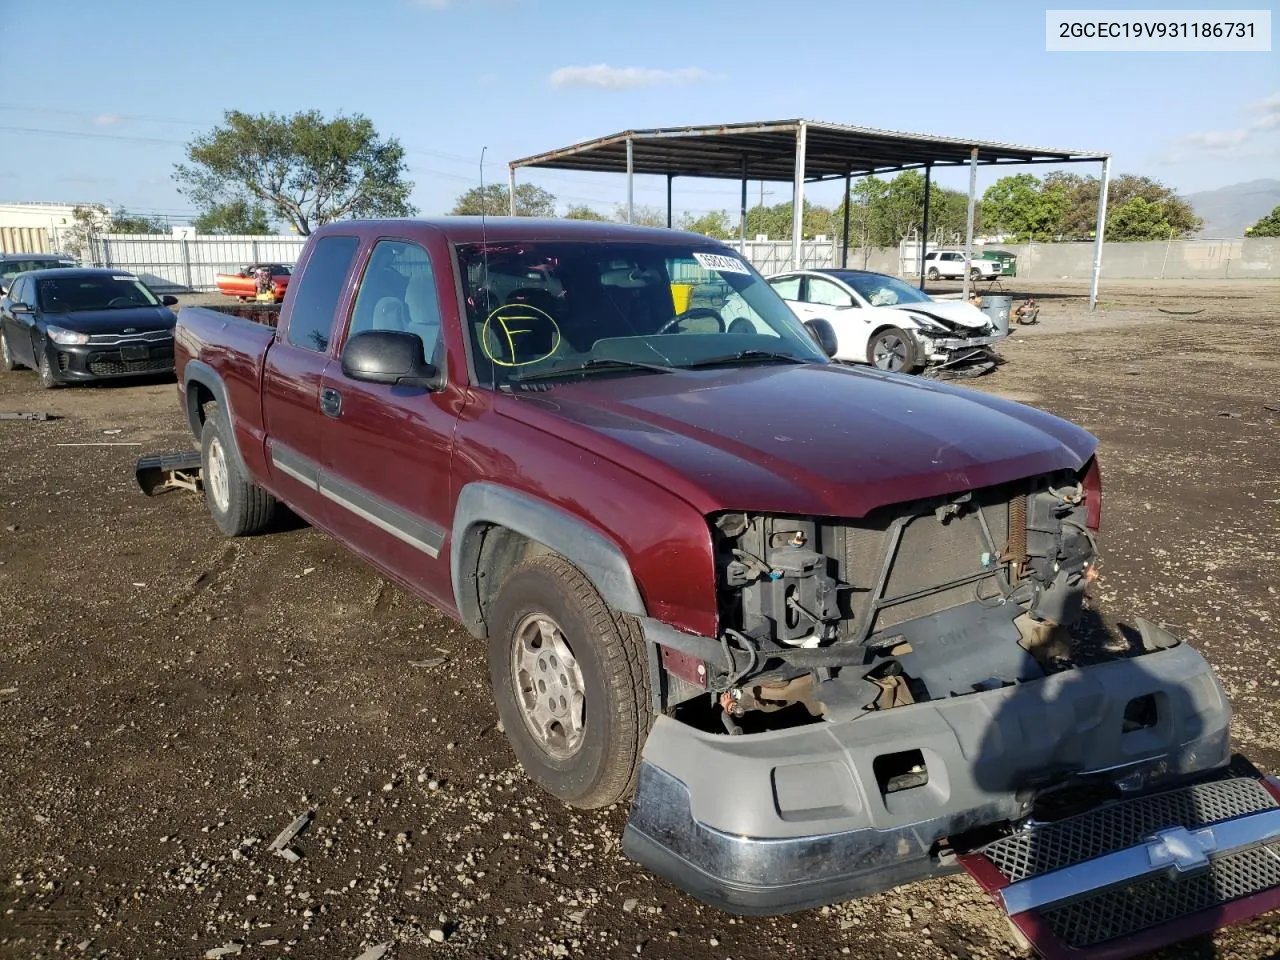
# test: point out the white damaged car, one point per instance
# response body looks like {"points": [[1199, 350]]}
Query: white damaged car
{"points": [[880, 320]]}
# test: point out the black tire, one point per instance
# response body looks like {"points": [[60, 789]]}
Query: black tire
{"points": [[608, 662], [975, 274], [238, 506], [44, 368], [7, 363], [892, 349], [933, 273]]}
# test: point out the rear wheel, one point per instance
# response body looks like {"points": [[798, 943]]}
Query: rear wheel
{"points": [[570, 682], [975, 274], [7, 362], [238, 505], [933, 273], [45, 369], [892, 349]]}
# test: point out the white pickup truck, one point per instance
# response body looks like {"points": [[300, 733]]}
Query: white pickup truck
{"points": [[940, 264]]}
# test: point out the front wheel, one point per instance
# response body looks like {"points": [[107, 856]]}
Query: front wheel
{"points": [[7, 363], [238, 505], [892, 349], [45, 371], [570, 682]]}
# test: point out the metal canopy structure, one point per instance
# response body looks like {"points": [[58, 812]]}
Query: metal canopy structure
{"points": [[802, 151]]}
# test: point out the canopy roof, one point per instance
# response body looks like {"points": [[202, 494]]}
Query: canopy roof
{"points": [[768, 150]]}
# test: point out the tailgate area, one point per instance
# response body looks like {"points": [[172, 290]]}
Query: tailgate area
{"points": [[1134, 875]]}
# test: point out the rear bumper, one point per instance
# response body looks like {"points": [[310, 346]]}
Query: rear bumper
{"points": [[75, 363], [795, 818]]}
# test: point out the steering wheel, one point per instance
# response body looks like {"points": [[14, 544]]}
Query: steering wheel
{"points": [[121, 302], [690, 314]]}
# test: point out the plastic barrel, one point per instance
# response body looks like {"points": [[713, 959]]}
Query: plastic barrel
{"points": [[997, 308]]}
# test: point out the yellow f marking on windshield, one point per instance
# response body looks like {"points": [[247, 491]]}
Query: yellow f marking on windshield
{"points": [[516, 320]]}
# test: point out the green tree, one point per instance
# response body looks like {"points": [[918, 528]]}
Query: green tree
{"points": [[1026, 207], [581, 211], [714, 224], [643, 215], [867, 195], [87, 221], [775, 221], [124, 222], [1162, 214], [306, 170], [1268, 226], [493, 200], [237, 218]]}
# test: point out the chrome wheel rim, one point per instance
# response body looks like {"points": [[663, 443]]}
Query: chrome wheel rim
{"points": [[889, 352], [550, 692], [219, 484]]}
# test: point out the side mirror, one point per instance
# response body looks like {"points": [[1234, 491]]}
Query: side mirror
{"points": [[824, 335], [389, 356], [19, 308], [169, 300]]}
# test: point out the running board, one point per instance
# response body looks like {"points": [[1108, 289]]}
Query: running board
{"points": [[167, 471], [1136, 875]]}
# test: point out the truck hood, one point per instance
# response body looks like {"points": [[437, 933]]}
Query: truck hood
{"points": [[955, 312], [819, 439]]}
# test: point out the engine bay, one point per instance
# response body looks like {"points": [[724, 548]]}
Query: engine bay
{"points": [[914, 602]]}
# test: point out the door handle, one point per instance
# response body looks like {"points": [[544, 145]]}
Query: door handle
{"points": [[330, 402]]}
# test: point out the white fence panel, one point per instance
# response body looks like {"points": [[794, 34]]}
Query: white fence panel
{"points": [[171, 265]]}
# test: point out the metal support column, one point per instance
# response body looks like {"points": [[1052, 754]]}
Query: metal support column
{"points": [[631, 184], [1100, 233], [848, 198], [968, 225], [670, 177], [797, 197], [742, 214], [924, 228], [511, 191]]}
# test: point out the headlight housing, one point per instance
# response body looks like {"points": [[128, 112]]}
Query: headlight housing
{"points": [[928, 324], [65, 337]]}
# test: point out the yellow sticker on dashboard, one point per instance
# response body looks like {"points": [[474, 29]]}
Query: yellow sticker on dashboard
{"points": [[516, 327]]}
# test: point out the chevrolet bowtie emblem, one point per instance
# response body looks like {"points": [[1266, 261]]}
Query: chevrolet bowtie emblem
{"points": [[1181, 848]]}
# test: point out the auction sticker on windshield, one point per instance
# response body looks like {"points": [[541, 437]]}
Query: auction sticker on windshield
{"points": [[721, 263]]}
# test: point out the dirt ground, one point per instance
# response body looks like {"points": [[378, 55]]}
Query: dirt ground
{"points": [[170, 700]]}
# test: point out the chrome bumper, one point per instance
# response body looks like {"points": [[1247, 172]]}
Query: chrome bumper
{"points": [[781, 821]]}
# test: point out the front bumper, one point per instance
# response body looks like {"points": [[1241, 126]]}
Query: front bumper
{"points": [[82, 362], [795, 818]]}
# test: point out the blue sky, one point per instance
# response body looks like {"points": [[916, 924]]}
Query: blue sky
{"points": [[126, 84]]}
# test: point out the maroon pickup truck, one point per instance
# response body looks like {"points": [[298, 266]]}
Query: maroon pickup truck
{"points": [[826, 627]]}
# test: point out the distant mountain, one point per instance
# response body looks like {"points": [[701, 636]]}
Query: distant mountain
{"points": [[1228, 210]]}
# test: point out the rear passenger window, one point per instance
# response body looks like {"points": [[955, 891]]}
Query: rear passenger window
{"points": [[315, 297], [398, 292]]}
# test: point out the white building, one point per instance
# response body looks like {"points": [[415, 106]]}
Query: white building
{"points": [[34, 227]]}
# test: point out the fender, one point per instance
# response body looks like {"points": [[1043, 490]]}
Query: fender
{"points": [[596, 556], [197, 371]]}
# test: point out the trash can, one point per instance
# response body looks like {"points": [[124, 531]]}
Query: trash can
{"points": [[1008, 261], [997, 308]]}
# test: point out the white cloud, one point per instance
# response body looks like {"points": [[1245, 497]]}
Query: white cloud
{"points": [[107, 120], [1267, 118], [604, 77]]}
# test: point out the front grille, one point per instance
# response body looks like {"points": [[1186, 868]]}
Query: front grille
{"points": [[1159, 899], [63, 361], [1120, 825], [111, 339], [107, 368]]}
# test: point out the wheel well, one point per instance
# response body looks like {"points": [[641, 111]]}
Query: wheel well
{"points": [[198, 397], [490, 552]]}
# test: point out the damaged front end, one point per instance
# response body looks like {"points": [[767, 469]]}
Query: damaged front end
{"points": [[889, 692], [952, 350]]}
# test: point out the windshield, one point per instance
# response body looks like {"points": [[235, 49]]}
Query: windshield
{"points": [[11, 268], [535, 309], [882, 291], [105, 292]]}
